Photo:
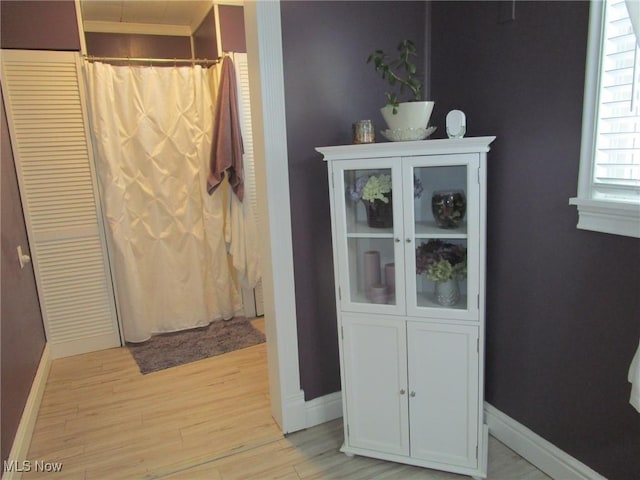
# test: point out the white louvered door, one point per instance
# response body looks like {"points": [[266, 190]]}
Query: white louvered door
{"points": [[48, 124], [242, 78]]}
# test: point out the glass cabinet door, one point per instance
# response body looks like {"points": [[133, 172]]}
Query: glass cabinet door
{"points": [[441, 235], [368, 204]]}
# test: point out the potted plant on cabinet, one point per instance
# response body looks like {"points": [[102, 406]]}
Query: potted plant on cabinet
{"points": [[401, 74]]}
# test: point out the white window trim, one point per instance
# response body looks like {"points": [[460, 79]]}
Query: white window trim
{"points": [[608, 216]]}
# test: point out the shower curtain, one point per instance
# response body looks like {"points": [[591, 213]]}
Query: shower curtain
{"points": [[152, 131]]}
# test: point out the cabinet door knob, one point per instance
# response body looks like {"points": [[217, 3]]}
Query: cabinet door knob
{"points": [[412, 394], [402, 391], [408, 240], [397, 240]]}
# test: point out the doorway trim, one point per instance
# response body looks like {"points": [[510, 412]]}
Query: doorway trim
{"points": [[266, 83]]}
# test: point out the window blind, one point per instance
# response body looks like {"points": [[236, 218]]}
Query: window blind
{"points": [[616, 170], [244, 100]]}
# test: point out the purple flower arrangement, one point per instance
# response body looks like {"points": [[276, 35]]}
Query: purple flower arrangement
{"points": [[354, 191]]}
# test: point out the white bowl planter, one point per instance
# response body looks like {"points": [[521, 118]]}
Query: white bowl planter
{"points": [[410, 115]]}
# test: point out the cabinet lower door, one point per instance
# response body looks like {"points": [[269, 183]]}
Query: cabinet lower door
{"points": [[376, 383], [443, 386]]}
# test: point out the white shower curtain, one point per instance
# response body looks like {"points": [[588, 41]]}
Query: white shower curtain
{"points": [[152, 129]]}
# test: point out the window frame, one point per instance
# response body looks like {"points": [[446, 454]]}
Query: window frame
{"points": [[607, 216]]}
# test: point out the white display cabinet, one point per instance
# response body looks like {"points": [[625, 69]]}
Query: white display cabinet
{"points": [[408, 229]]}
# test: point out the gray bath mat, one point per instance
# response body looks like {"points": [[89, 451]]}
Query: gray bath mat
{"points": [[173, 349]]}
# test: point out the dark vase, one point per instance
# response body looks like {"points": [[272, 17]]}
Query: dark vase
{"points": [[448, 208], [379, 214]]}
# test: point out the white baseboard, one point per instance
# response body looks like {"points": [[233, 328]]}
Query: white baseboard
{"points": [[303, 414], [294, 413], [22, 440], [323, 409], [538, 451]]}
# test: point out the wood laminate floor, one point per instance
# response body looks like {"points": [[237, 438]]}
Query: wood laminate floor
{"points": [[210, 420]]}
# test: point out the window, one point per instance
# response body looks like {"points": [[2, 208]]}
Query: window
{"points": [[609, 182]]}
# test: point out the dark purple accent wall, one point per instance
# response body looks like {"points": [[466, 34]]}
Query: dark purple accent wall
{"points": [[232, 28], [563, 305], [205, 44], [137, 46], [328, 86], [21, 332], [39, 25]]}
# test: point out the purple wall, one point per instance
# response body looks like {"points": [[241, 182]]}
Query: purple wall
{"points": [[205, 44], [160, 46], [328, 86], [22, 333], [137, 46], [232, 28], [563, 305], [39, 25]]}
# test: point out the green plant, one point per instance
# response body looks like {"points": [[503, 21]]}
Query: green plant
{"points": [[399, 72], [376, 188], [441, 261], [356, 189]]}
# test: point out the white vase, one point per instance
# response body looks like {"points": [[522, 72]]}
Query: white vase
{"points": [[409, 115], [447, 293]]}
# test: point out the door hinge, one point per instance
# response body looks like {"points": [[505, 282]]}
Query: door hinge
{"points": [[339, 293], [342, 332], [478, 344], [478, 301], [333, 184], [476, 452], [478, 175], [348, 433]]}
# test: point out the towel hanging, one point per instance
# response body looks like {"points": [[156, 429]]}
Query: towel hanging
{"points": [[227, 148]]}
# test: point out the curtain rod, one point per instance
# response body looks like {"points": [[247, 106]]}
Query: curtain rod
{"points": [[193, 61]]}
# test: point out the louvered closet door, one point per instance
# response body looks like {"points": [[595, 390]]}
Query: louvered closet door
{"points": [[45, 104]]}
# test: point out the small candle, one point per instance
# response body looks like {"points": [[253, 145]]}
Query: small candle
{"points": [[390, 277], [379, 293], [363, 132], [371, 270]]}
